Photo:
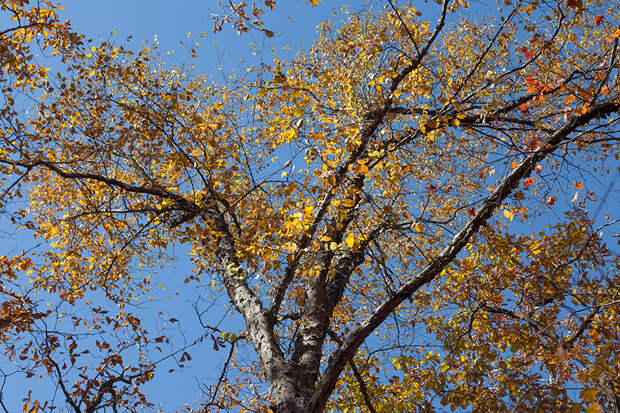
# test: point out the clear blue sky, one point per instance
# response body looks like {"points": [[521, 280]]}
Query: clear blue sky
{"points": [[293, 21]]}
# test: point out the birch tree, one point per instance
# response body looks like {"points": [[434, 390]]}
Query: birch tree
{"points": [[413, 215]]}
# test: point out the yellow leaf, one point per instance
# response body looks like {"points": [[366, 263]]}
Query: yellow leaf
{"points": [[362, 169], [588, 395], [348, 203], [333, 246], [593, 407], [508, 214], [298, 112], [350, 241]]}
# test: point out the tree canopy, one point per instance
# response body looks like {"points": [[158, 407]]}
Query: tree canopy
{"points": [[415, 214]]}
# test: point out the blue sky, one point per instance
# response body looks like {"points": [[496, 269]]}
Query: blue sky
{"points": [[294, 23], [220, 54]]}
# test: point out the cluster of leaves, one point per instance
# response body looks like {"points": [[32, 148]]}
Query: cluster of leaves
{"points": [[242, 17]]}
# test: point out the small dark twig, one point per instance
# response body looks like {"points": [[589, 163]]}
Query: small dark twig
{"points": [[357, 374]]}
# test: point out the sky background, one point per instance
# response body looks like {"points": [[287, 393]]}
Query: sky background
{"points": [[293, 22], [220, 55]]}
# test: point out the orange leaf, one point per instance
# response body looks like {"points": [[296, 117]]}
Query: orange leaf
{"points": [[527, 52], [578, 185], [568, 99], [529, 181]]}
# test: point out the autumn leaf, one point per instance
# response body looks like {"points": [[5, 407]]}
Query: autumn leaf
{"points": [[529, 182], [588, 395], [569, 99], [528, 53], [350, 241]]}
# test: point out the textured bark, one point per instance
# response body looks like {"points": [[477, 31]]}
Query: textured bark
{"points": [[295, 383], [346, 351], [322, 296], [612, 394]]}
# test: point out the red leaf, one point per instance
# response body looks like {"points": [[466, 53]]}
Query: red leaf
{"points": [[529, 181], [599, 19]]}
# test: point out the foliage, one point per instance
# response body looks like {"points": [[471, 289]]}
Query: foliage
{"points": [[407, 216]]}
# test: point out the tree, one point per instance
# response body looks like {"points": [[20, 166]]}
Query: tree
{"points": [[408, 217]]}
